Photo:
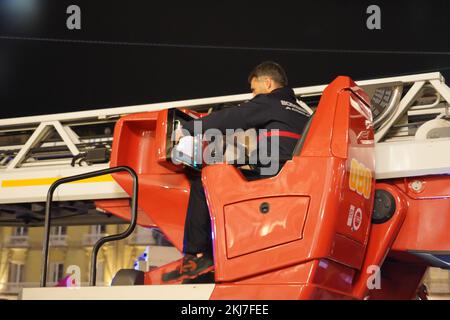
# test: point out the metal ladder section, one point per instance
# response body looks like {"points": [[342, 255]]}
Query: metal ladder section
{"points": [[24, 141]]}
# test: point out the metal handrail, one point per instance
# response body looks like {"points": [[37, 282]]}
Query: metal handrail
{"points": [[100, 242]]}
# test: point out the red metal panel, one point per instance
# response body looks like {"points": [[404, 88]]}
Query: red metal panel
{"points": [[139, 141], [342, 246], [427, 224], [354, 139], [317, 173], [230, 186], [324, 273], [381, 238], [248, 230], [121, 208]]}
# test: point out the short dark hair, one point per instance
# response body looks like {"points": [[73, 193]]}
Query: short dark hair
{"points": [[272, 70]]}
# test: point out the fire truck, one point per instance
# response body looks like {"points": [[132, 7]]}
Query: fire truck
{"points": [[361, 211]]}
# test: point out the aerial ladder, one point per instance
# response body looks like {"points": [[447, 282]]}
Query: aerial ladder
{"points": [[361, 211]]}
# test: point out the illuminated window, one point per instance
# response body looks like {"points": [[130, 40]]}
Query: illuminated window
{"points": [[16, 273], [56, 271], [59, 231], [98, 229], [21, 231]]}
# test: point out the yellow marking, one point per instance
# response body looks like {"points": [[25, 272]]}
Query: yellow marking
{"points": [[49, 181], [360, 179]]}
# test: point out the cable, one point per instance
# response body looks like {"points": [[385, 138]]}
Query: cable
{"points": [[215, 47]]}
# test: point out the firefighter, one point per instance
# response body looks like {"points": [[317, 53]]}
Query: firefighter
{"points": [[274, 107]]}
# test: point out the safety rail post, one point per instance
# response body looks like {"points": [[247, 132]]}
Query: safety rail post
{"points": [[100, 242]]}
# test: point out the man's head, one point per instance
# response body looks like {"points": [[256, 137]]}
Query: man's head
{"points": [[267, 77]]}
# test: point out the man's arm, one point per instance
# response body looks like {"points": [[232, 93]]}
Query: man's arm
{"points": [[229, 118], [249, 115]]}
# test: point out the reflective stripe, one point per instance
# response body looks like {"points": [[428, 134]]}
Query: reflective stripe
{"points": [[286, 134], [49, 181]]}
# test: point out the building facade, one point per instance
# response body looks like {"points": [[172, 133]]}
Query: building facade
{"points": [[21, 250]]}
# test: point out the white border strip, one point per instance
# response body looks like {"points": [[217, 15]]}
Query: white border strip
{"points": [[146, 292]]}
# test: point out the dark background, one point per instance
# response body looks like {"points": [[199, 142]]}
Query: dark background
{"points": [[137, 52]]}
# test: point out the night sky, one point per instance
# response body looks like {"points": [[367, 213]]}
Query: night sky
{"points": [[137, 52]]}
